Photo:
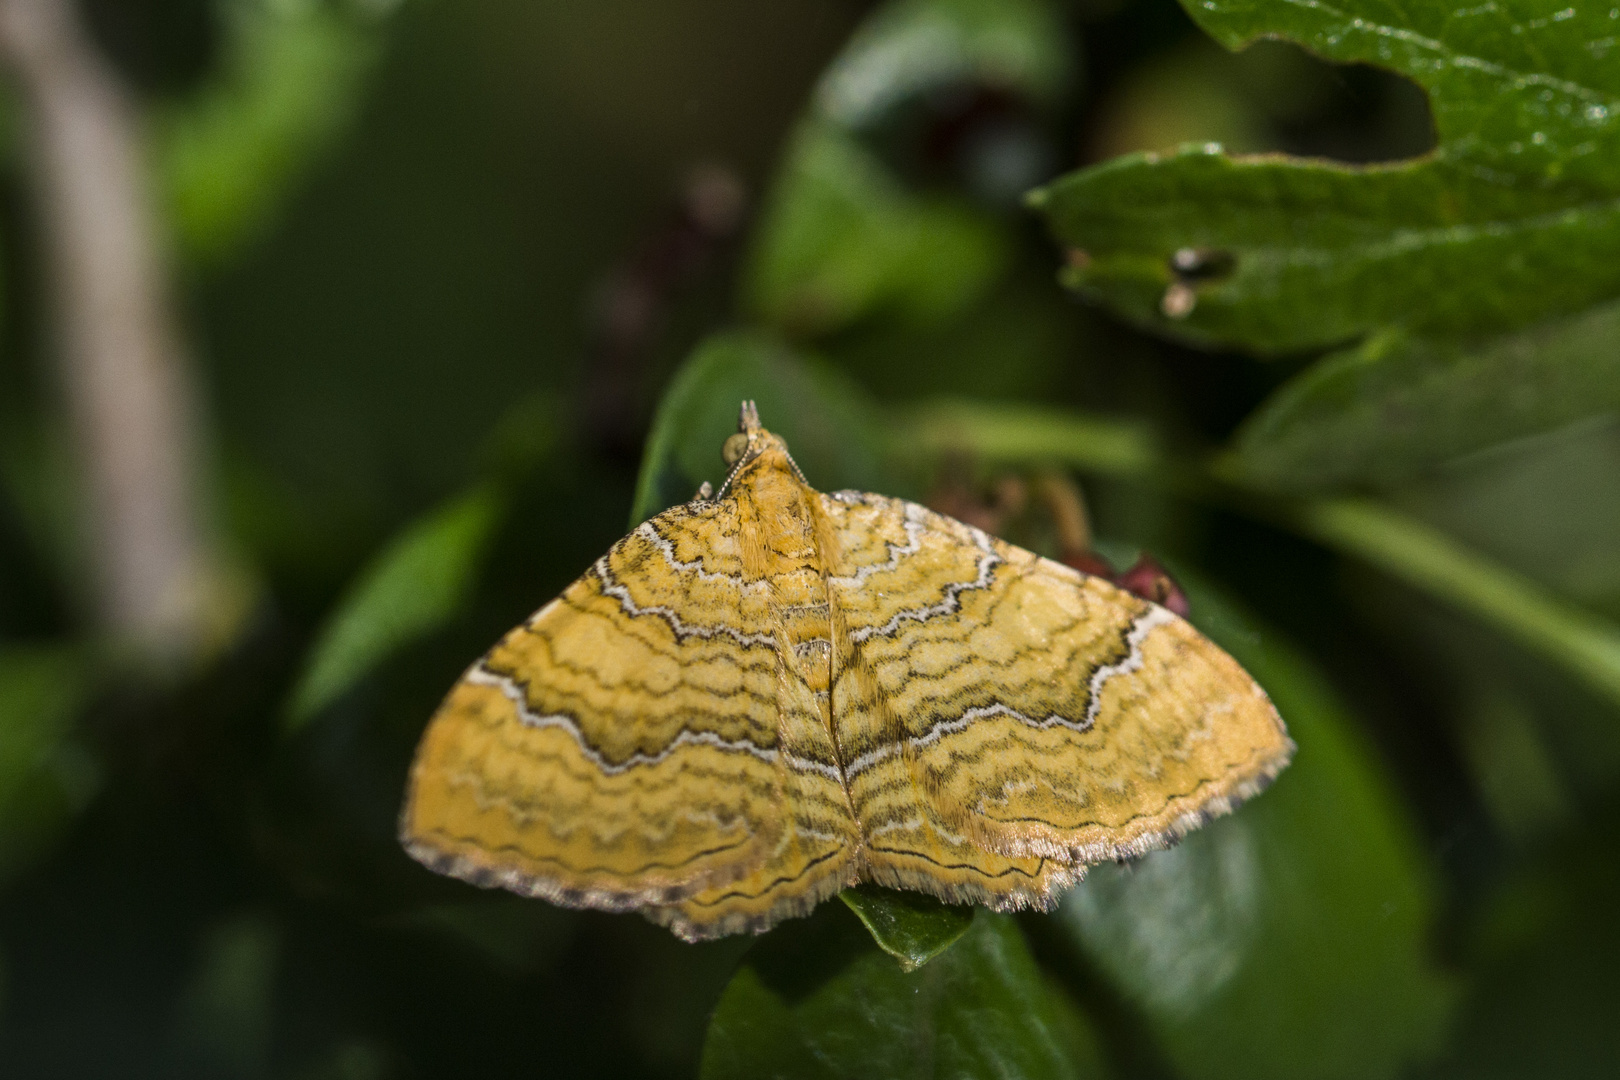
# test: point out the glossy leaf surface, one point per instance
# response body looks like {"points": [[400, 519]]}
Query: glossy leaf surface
{"points": [[911, 927], [818, 999], [1292, 938], [1393, 405]]}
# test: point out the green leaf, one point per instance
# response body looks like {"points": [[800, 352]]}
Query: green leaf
{"points": [[830, 427], [1292, 938], [909, 926], [841, 237], [418, 582], [1013, 345], [1393, 405], [45, 776], [816, 999], [911, 48], [1548, 507], [1513, 219], [289, 80]]}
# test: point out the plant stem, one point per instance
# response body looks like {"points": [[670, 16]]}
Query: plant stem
{"points": [[119, 350]]}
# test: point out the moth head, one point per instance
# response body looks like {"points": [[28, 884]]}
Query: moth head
{"points": [[749, 443], [751, 439]]}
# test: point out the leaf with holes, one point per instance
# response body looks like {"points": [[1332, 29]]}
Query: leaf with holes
{"points": [[1514, 218]]}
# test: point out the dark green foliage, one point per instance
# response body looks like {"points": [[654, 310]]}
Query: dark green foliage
{"points": [[1394, 404], [415, 586], [819, 999], [45, 774]]}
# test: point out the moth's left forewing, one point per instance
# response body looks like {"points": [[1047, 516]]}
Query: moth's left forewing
{"points": [[619, 747]]}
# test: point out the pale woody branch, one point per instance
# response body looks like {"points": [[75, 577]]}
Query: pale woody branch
{"points": [[120, 353]]}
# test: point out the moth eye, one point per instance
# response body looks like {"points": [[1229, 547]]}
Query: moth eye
{"points": [[733, 449]]}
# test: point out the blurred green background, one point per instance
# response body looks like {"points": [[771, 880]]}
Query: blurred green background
{"points": [[460, 290]]}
